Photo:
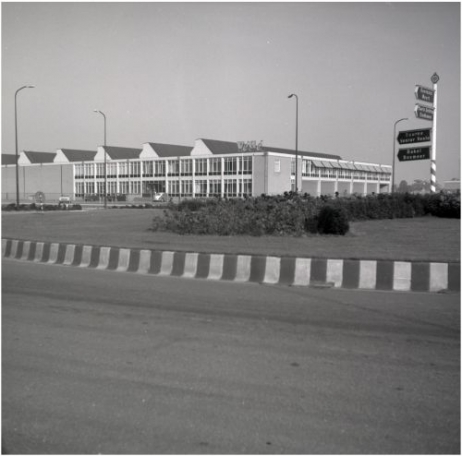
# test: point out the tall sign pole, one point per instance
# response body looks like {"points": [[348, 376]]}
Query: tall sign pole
{"points": [[105, 159], [394, 154], [16, 140], [296, 140], [435, 78]]}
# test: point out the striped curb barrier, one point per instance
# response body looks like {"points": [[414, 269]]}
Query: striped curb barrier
{"points": [[338, 273]]}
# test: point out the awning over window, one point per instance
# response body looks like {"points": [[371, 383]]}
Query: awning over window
{"points": [[322, 164], [317, 163], [345, 165], [349, 166]]}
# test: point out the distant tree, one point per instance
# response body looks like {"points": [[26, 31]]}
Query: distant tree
{"points": [[418, 185], [423, 186], [403, 187]]}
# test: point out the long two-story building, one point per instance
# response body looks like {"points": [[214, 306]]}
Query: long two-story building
{"points": [[209, 168]]}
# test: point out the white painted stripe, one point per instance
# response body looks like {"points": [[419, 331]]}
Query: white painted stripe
{"points": [[272, 270], [243, 268], [216, 266], [302, 271], [69, 256], [14, 248], [190, 265], [86, 256], [438, 276], [104, 253], [124, 260], [335, 272], [39, 251], [145, 261], [166, 265], [25, 250], [367, 274], [402, 276], [53, 253], [4, 243]]}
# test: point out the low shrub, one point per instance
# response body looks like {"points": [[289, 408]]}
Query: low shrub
{"points": [[195, 204], [295, 214], [332, 220], [41, 207], [444, 205], [271, 215], [51, 207]]}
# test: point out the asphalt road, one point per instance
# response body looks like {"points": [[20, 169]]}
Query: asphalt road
{"points": [[120, 363]]}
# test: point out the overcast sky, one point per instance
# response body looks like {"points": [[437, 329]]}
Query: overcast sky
{"points": [[175, 72]]}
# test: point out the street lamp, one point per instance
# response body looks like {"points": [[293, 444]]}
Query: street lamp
{"points": [[105, 170], [16, 139], [296, 140], [394, 154]]}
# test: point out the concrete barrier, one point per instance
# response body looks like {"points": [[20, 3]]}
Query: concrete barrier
{"points": [[104, 254], [353, 274], [86, 256], [25, 250], [124, 260], [145, 262], [39, 251], [69, 256], [53, 253]]}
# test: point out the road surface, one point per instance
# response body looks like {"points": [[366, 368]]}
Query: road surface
{"points": [[120, 363]]}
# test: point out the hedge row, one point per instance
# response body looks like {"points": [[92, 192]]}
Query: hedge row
{"points": [[43, 207], [406, 205], [295, 214]]}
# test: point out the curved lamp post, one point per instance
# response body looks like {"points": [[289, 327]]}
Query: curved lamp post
{"points": [[296, 140], [394, 154], [16, 138], [105, 170]]}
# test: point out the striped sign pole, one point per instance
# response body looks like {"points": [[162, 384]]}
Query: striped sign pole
{"points": [[435, 78]]}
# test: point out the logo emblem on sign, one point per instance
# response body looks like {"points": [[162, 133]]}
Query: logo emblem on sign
{"points": [[435, 78]]}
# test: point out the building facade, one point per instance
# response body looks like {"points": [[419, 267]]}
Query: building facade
{"points": [[210, 168]]}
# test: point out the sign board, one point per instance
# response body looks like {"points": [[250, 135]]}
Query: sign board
{"points": [[423, 112], [415, 153], [414, 136], [424, 94], [249, 146]]}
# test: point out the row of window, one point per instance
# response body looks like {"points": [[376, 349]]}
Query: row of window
{"points": [[173, 167], [310, 170], [209, 167], [122, 169], [227, 187], [346, 174]]}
